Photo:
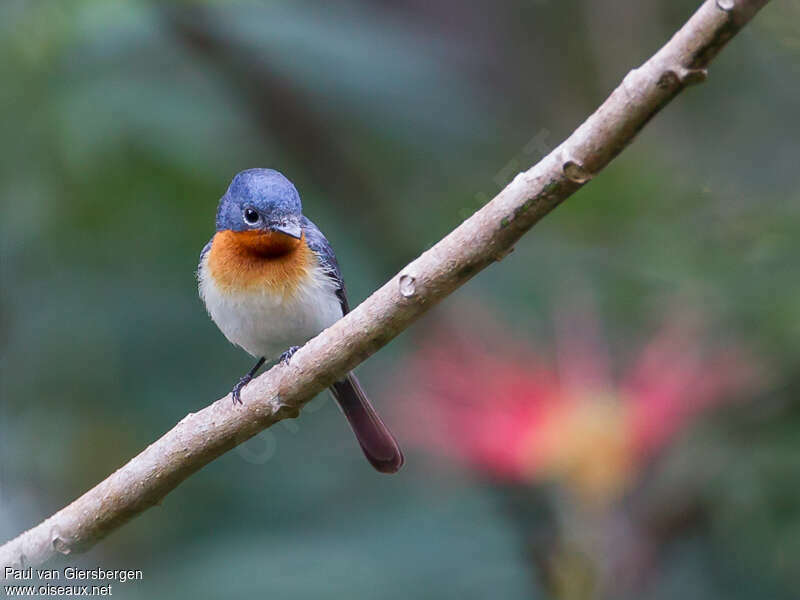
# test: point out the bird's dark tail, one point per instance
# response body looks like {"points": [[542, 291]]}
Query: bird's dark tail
{"points": [[376, 440]]}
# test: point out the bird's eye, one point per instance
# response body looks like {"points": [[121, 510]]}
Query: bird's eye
{"points": [[250, 216]]}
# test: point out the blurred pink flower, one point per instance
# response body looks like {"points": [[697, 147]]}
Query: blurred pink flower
{"points": [[504, 409]]}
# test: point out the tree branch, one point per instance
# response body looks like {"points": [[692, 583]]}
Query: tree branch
{"points": [[486, 237]]}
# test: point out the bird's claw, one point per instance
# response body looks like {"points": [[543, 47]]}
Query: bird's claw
{"points": [[287, 356], [236, 392]]}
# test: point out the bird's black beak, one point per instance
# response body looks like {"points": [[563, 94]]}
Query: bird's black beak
{"points": [[288, 228]]}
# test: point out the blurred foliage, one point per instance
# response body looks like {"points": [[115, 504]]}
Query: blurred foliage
{"points": [[123, 123]]}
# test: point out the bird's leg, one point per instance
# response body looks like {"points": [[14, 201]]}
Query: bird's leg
{"points": [[286, 356], [247, 378]]}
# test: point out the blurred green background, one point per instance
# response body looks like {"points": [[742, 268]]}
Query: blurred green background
{"points": [[123, 123]]}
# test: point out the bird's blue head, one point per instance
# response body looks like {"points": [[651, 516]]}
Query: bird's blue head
{"points": [[260, 199]]}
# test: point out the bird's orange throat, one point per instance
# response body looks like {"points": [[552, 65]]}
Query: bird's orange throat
{"points": [[242, 261], [264, 244]]}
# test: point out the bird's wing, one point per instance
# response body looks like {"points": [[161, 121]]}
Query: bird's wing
{"points": [[205, 250], [322, 248], [376, 440], [203, 253]]}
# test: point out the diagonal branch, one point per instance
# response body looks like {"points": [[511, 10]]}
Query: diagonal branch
{"points": [[486, 237]]}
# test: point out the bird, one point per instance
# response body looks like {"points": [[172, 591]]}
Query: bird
{"points": [[270, 281]]}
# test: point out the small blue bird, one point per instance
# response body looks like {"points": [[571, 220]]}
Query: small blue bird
{"points": [[270, 281]]}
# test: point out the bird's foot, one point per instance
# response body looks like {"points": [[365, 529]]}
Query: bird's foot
{"points": [[236, 392], [287, 356]]}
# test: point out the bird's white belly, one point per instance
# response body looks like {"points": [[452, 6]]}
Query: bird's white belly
{"points": [[265, 323]]}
